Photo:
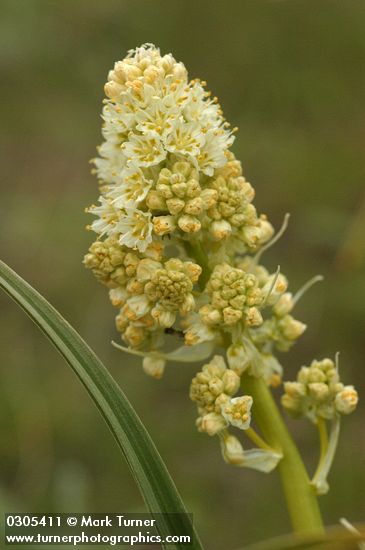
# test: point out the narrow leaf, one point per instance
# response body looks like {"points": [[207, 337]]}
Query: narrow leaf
{"points": [[148, 469]]}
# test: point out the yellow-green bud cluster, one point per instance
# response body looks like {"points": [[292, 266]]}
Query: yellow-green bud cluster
{"points": [[106, 260], [113, 264], [232, 211], [318, 392], [212, 389], [234, 297], [154, 297], [179, 193], [171, 286], [272, 285]]}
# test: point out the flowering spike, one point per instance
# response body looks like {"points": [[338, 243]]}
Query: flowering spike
{"points": [[178, 245]]}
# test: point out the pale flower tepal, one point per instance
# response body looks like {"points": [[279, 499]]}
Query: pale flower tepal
{"points": [[179, 245]]}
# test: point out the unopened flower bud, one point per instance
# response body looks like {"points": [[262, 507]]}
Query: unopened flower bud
{"points": [[189, 224], [280, 286], [146, 268], [253, 317], [162, 225], [113, 90], [134, 336], [209, 197], [211, 423], [284, 305], [220, 230], [195, 206], [319, 391], [163, 317], [346, 401], [291, 328], [118, 296], [175, 205], [154, 201], [154, 366], [231, 316]]}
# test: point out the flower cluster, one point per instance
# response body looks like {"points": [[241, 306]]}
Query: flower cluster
{"points": [[212, 389], [179, 245], [166, 172], [150, 292], [318, 392], [163, 137], [233, 298]]}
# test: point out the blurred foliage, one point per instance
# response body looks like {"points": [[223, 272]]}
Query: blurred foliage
{"points": [[291, 75]]}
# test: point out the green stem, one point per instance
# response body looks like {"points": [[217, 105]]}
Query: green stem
{"points": [[328, 451], [300, 495], [323, 438], [257, 440]]}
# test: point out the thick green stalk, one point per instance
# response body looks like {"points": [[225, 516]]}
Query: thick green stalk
{"points": [[300, 496]]}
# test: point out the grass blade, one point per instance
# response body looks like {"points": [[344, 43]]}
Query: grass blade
{"points": [[147, 467]]}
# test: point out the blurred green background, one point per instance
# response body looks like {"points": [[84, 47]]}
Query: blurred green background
{"points": [[291, 75]]}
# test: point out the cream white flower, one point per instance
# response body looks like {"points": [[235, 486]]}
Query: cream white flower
{"points": [[153, 118], [111, 162], [185, 139], [200, 108], [237, 411], [132, 190], [212, 154], [159, 117], [135, 229], [144, 150], [107, 219]]}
